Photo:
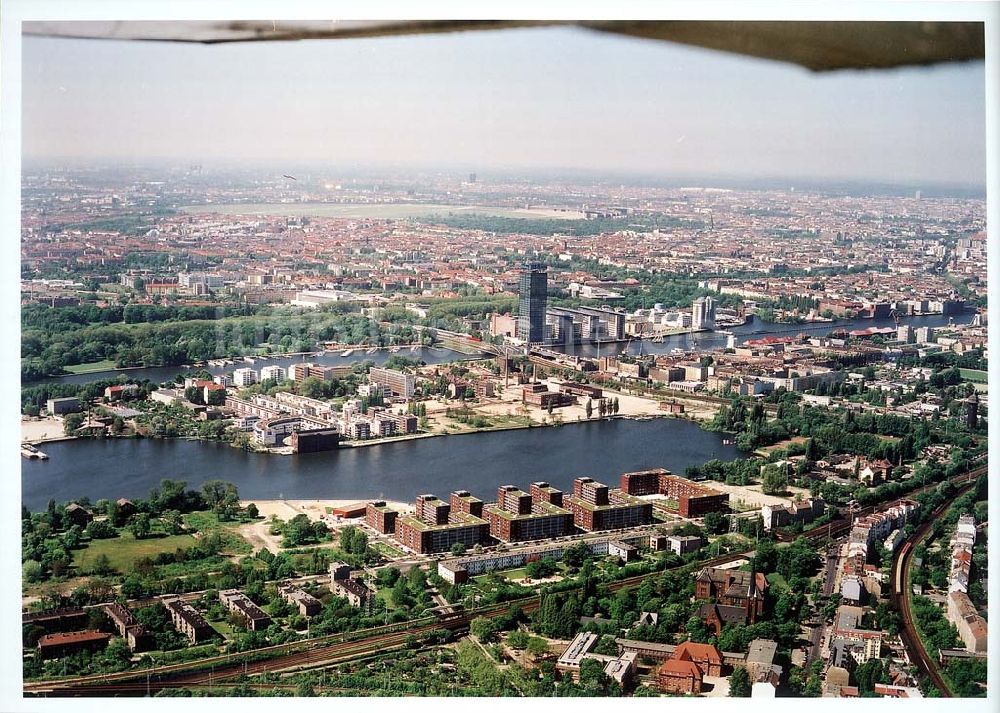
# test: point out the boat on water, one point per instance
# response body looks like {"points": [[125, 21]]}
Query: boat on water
{"points": [[413, 348], [394, 350], [372, 350], [32, 453], [347, 353]]}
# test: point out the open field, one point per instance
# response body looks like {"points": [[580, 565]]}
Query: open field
{"points": [[379, 210], [258, 533], [780, 445], [123, 551], [207, 522], [104, 365]]}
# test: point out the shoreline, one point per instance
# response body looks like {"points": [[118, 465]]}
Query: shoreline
{"points": [[380, 441]]}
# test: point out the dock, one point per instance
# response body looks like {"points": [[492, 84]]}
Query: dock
{"points": [[31, 453]]}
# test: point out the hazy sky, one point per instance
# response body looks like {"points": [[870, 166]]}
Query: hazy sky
{"points": [[546, 98]]}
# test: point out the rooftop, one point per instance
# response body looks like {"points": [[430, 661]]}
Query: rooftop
{"points": [[462, 520]]}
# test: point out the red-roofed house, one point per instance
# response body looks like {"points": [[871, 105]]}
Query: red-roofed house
{"points": [[705, 656], [675, 676]]}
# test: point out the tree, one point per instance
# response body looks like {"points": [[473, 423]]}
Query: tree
{"points": [[484, 629], [102, 565], [353, 540], [71, 422], [537, 646], [774, 481], [868, 674], [139, 525], [458, 549], [219, 494], [387, 577], [174, 521], [812, 450], [590, 408], [252, 511], [739, 683], [715, 523], [518, 640]]}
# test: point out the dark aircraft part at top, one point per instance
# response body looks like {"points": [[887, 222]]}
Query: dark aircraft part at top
{"points": [[285, 175], [819, 45]]}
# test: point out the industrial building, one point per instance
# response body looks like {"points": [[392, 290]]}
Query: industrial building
{"points": [[353, 590], [585, 324], [135, 634], [307, 604], [458, 570]]}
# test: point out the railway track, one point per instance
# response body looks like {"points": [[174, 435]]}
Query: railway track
{"points": [[901, 600]]}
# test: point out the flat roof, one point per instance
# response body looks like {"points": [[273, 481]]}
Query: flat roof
{"points": [[578, 648], [548, 509], [465, 520], [627, 502]]}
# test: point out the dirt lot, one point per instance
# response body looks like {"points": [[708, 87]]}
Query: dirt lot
{"points": [[258, 535], [43, 429]]}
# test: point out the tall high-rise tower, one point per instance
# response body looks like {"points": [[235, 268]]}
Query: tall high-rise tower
{"points": [[533, 290], [703, 313]]}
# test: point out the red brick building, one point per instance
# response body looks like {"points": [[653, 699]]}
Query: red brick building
{"points": [[436, 527], [643, 482], [517, 516], [675, 676], [543, 492], [51, 646], [705, 656], [739, 596], [380, 517], [596, 507], [694, 499]]}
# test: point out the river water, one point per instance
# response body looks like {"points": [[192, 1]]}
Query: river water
{"points": [[477, 462], [754, 329]]}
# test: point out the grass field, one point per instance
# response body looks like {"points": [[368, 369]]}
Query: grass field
{"points": [[384, 210], [206, 521], [974, 375], [777, 582], [125, 550], [104, 365], [387, 550], [780, 445]]}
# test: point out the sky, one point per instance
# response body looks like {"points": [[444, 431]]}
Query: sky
{"points": [[542, 98]]}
